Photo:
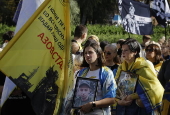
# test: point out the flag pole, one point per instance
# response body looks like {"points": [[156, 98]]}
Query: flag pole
{"points": [[129, 34], [165, 29]]}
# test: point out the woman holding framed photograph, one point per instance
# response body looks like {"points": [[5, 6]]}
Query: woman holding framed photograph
{"points": [[148, 93], [93, 61]]}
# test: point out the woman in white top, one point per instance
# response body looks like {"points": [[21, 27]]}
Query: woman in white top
{"points": [[93, 61]]}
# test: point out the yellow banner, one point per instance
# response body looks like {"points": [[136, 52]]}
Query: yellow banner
{"points": [[38, 58]]}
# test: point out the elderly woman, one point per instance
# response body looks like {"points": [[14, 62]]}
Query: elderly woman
{"points": [[112, 60], [153, 54], [148, 92]]}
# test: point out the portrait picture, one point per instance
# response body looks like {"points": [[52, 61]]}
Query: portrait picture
{"points": [[85, 91], [126, 84]]}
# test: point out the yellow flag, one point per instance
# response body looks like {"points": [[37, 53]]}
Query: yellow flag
{"points": [[38, 58]]}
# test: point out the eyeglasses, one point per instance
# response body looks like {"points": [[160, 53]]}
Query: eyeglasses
{"points": [[149, 50], [107, 53]]}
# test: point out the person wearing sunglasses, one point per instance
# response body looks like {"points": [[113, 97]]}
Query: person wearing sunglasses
{"points": [[112, 61], [111, 57], [153, 54], [148, 93]]}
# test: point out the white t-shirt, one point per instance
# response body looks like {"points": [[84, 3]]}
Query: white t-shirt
{"points": [[97, 111], [95, 75]]}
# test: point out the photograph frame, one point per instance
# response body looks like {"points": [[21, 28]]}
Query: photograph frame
{"points": [[85, 91], [126, 84]]}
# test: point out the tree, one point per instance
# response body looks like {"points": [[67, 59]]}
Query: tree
{"points": [[95, 11], [74, 11], [7, 9]]}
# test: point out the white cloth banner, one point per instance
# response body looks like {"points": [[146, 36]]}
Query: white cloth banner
{"points": [[9, 86], [28, 8]]}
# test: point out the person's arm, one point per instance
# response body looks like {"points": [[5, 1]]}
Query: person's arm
{"points": [[132, 96], [75, 47], [98, 104], [124, 101]]}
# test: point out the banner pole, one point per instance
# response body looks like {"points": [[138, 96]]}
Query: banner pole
{"points": [[129, 35], [165, 29]]}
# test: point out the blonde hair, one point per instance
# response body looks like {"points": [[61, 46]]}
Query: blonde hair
{"points": [[153, 42], [94, 37], [112, 46], [77, 62]]}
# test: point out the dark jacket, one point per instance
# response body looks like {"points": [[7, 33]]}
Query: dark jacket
{"points": [[164, 73]]}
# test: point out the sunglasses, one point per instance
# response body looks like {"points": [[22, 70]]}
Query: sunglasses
{"points": [[107, 53], [149, 50]]}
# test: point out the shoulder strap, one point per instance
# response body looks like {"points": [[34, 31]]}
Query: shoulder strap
{"points": [[73, 41], [83, 72]]}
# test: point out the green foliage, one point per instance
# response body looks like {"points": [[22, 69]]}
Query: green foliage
{"points": [[108, 33], [113, 33], [8, 8], [96, 11], [3, 29], [75, 11]]}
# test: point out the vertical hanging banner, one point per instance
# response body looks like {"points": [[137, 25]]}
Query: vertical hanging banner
{"points": [[38, 58], [136, 17]]}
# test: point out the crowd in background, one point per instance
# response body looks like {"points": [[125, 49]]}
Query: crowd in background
{"points": [[95, 59], [149, 60]]}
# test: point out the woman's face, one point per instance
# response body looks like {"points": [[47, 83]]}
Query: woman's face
{"points": [[109, 53], [150, 53], [127, 55], [131, 11], [165, 49], [90, 55]]}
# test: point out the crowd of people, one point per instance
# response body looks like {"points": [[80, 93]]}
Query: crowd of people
{"points": [[147, 61], [133, 78]]}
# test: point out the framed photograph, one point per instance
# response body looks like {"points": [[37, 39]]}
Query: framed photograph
{"points": [[126, 84], [85, 91]]}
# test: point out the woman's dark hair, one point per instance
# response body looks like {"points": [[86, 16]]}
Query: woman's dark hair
{"points": [[99, 52], [119, 51], [120, 41], [89, 41], [133, 45], [103, 44], [8, 36], [157, 51]]}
